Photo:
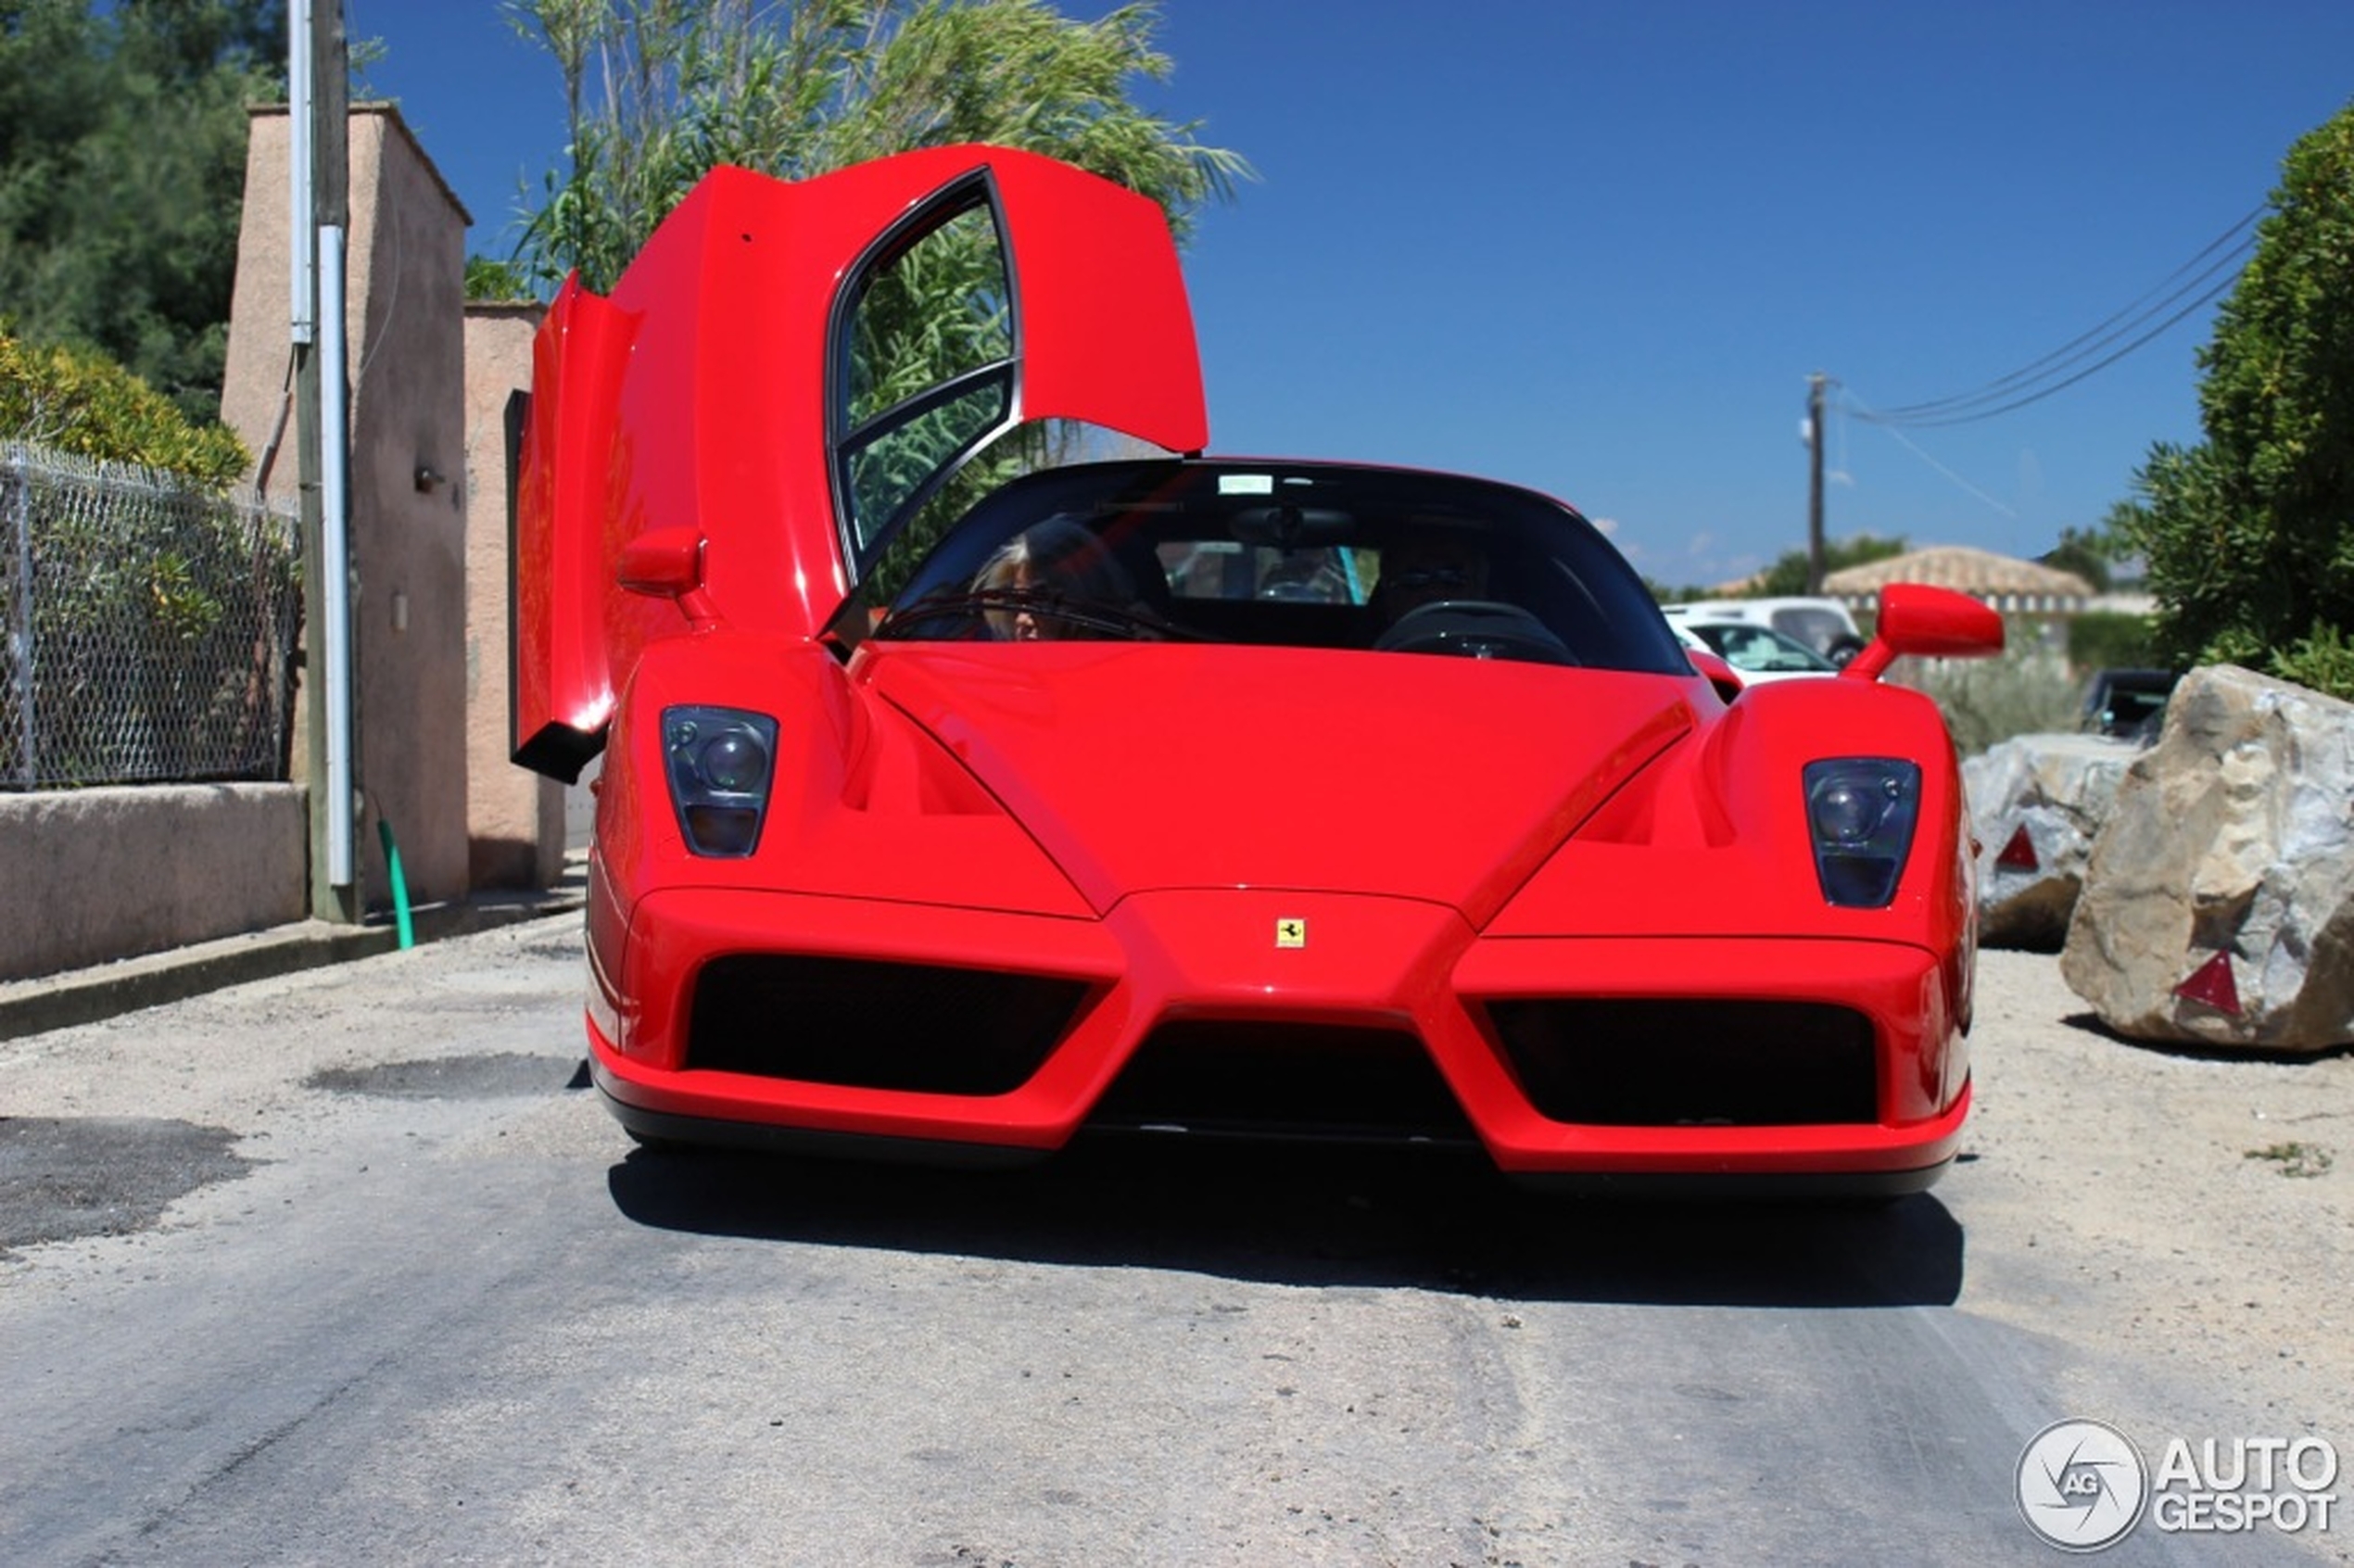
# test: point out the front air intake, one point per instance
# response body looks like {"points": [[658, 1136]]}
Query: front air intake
{"points": [[864, 1024], [1284, 1080], [1691, 1064]]}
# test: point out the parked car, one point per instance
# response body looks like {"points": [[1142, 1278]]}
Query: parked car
{"points": [[2128, 703], [1822, 624], [938, 817], [1756, 652]]}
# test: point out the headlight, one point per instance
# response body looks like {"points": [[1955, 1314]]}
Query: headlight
{"points": [[1861, 811], [720, 762]]}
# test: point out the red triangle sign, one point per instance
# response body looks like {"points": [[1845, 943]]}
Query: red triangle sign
{"points": [[2019, 853], [2211, 985]]}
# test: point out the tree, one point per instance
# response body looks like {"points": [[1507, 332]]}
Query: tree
{"points": [[2249, 535], [657, 92], [123, 153], [496, 281], [1787, 576], [2085, 551]]}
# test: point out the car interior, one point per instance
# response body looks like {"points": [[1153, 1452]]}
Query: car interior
{"points": [[1295, 555]]}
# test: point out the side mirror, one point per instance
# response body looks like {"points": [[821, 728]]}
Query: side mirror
{"points": [[1929, 623], [663, 563], [1719, 671], [668, 564]]}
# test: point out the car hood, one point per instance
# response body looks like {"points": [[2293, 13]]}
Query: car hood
{"points": [[1144, 767]]}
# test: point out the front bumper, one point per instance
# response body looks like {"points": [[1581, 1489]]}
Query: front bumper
{"points": [[1348, 990]]}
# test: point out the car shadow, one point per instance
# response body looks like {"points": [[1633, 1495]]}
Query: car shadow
{"points": [[1441, 1220]]}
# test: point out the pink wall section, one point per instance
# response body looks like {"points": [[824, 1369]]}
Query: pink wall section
{"points": [[429, 381]]}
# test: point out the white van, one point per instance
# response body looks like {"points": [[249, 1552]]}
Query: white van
{"points": [[1823, 624]]}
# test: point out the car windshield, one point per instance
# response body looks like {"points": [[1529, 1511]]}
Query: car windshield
{"points": [[1759, 650], [1282, 554]]}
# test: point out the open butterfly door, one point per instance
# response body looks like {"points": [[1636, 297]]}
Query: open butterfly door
{"points": [[747, 389]]}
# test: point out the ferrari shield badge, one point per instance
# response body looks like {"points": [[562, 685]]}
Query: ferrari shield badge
{"points": [[1291, 932]]}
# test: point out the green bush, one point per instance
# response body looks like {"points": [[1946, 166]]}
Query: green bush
{"points": [[2322, 660], [86, 405], [2103, 640], [150, 638]]}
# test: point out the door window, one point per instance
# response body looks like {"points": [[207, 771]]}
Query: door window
{"points": [[927, 355]]}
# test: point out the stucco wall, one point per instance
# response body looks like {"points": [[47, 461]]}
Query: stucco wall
{"points": [[514, 819], [404, 317], [94, 875], [409, 504]]}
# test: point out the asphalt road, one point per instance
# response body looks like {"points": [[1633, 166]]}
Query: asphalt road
{"points": [[346, 1268]]}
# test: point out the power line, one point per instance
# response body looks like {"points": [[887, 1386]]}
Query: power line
{"points": [[2033, 383], [2040, 394], [2238, 236], [1959, 483]]}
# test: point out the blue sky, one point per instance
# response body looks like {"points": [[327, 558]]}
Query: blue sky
{"points": [[1597, 248]]}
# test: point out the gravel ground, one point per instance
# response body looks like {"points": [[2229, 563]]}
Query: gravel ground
{"points": [[2190, 1213], [2187, 1219]]}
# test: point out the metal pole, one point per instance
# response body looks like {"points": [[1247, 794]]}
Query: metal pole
{"points": [[335, 538], [330, 764], [1814, 549], [20, 635], [302, 273]]}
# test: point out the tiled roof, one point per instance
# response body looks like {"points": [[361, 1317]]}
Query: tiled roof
{"points": [[1961, 568]]}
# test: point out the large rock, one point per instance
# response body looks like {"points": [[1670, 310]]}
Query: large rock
{"points": [[2036, 804], [2219, 907]]}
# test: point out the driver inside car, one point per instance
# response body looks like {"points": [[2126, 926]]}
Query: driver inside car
{"points": [[1429, 565], [1050, 563]]}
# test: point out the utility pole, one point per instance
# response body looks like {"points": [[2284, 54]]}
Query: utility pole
{"points": [[1815, 561], [318, 143]]}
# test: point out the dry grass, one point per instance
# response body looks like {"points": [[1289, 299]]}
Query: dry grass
{"points": [[2025, 691]]}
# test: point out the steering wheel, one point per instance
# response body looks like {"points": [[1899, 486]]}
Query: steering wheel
{"points": [[1476, 628]]}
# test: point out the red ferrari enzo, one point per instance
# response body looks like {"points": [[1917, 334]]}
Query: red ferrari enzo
{"points": [[960, 796]]}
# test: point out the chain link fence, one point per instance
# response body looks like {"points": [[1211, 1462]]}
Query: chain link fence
{"points": [[150, 629]]}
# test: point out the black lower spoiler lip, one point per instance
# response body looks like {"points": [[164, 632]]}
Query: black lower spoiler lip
{"points": [[1769, 1186]]}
